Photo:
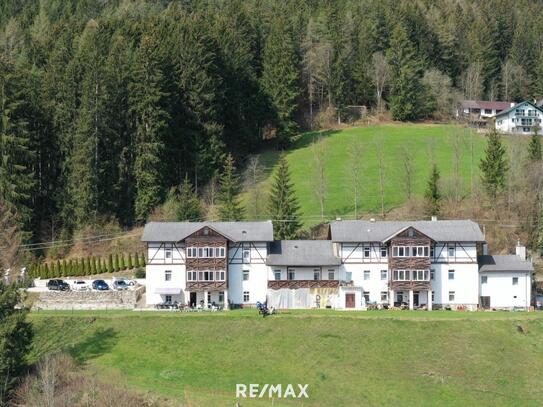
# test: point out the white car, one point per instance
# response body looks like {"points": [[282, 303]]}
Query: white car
{"points": [[80, 285]]}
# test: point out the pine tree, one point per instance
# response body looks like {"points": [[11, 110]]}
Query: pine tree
{"points": [[116, 264], [188, 203], [405, 76], [284, 207], [16, 178], [280, 77], [109, 267], [46, 273], [122, 264], [230, 208], [146, 107], [94, 265], [494, 165], [64, 268], [130, 266], [432, 195], [534, 148], [142, 260], [59, 269]]}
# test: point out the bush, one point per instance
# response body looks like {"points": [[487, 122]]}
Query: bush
{"points": [[140, 272]]}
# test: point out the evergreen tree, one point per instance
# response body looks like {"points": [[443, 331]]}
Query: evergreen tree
{"points": [[230, 208], [109, 267], [432, 195], [280, 77], [130, 266], [16, 178], [494, 165], [188, 203], [116, 264], [146, 107], [284, 207], [142, 260], [405, 76], [95, 265], [122, 265], [64, 268], [46, 273], [59, 269], [534, 148]]}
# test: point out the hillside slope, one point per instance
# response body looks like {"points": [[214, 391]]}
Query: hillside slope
{"points": [[455, 149]]}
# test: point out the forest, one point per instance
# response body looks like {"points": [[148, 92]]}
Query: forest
{"points": [[106, 105]]}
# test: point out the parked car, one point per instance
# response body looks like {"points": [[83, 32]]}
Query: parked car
{"points": [[120, 285], [57, 284], [80, 285], [100, 285]]}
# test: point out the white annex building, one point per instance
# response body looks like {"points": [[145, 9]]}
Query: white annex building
{"points": [[519, 119], [420, 264]]}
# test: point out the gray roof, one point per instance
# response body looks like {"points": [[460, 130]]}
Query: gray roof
{"points": [[234, 231], [302, 253], [510, 262], [377, 231]]}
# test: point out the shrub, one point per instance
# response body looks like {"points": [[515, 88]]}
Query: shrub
{"points": [[140, 272]]}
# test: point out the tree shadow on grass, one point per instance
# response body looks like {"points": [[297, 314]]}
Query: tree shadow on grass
{"points": [[96, 344]]}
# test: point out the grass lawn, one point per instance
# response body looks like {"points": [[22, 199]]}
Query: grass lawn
{"points": [[346, 358], [425, 143]]}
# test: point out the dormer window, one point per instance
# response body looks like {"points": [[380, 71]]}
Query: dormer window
{"points": [[206, 231]]}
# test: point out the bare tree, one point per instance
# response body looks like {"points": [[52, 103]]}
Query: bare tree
{"points": [[252, 177], [10, 237], [407, 159], [355, 160], [210, 194], [514, 83], [380, 71], [380, 154], [319, 166], [472, 81]]}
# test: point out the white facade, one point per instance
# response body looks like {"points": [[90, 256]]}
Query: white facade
{"points": [[520, 119], [361, 276]]}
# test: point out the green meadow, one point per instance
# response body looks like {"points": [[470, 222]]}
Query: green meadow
{"points": [[455, 149], [373, 358]]}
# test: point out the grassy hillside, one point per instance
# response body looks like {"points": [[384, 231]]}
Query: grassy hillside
{"points": [[359, 358], [423, 143]]}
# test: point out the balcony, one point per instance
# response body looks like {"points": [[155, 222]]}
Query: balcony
{"points": [[293, 284], [206, 285]]}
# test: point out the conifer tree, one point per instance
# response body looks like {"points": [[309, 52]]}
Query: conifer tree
{"points": [[116, 265], [109, 267], [280, 77], [46, 273], [122, 264], [64, 268], [284, 207], [94, 265], [188, 207], [405, 76], [129, 264], [494, 165], [59, 269], [534, 148], [432, 195], [230, 208], [150, 117], [142, 260]]}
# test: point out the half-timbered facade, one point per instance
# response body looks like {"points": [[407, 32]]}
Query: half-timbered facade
{"points": [[420, 264]]}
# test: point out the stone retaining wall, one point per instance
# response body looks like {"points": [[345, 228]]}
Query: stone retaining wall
{"points": [[82, 300]]}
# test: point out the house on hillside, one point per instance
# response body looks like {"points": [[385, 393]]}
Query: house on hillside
{"points": [[417, 264], [519, 119], [480, 111]]}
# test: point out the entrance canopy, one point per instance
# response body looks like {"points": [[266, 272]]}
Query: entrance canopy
{"points": [[168, 290]]}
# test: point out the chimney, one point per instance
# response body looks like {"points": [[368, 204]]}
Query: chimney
{"points": [[434, 218], [520, 251], [485, 249]]}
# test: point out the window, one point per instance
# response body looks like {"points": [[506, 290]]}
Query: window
{"points": [[433, 296], [366, 274], [367, 296], [245, 275], [291, 274], [401, 275], [515, 280], [219, 275], [484, 279], [168, 275], [366, 251], [384, 296], [331, 275], [221, 296], [168, 298], [348, 276], [200, 252], [191, 252], [383, 251], [246, 296], [451, 274], [277, 275], [316, 274], [451, 295], [246, 255], [209, 297], [432, 252], [168, 253], [399, 297], [452, 251], [206, 231], [420, 275], [192, 276], [384, 274], [400, 251], [420, 251], [219, 251], [432, 274], [488, 111]]}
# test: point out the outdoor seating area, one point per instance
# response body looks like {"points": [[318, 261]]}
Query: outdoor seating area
{"points": [[175, 306]]}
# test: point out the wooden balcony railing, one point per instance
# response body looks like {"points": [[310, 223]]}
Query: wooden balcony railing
{"points": [[292, 284]]}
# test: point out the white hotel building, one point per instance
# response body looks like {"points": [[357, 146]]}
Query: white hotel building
{"points": [[420, 264]]}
